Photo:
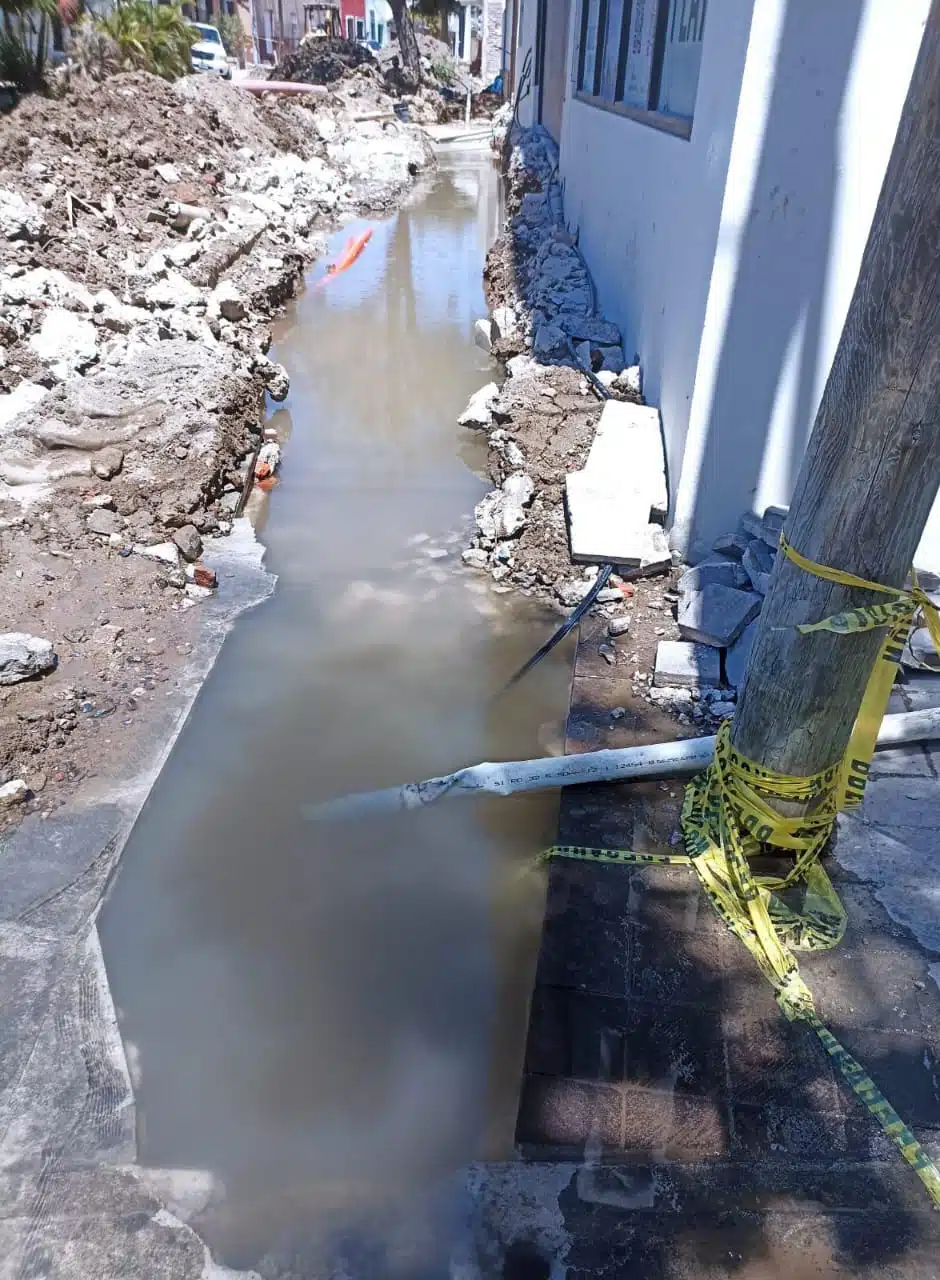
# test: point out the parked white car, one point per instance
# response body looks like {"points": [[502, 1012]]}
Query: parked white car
{"points": [[208, 53]]}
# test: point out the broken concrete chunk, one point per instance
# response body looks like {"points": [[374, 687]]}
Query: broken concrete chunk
{"points": [[774, 519], [717, 615], [181, 255], [174, 291], [479, 410], [475, 558], [571, 591], [655, 555], [630, 381], [164, 551], [226, 301], [737, 657], [733, 545], [13, 792], [188, 541], [758, 563], [504, 322], [714, 570], [590, 329], [611, 359], [107, 462], [104, 522], [619, 626], [689, 666], [65, 338], [501, 513], [20, 220], [483, 334], [550, 344], [519, 487], [752, 524], [168, 172], [23, 656]]}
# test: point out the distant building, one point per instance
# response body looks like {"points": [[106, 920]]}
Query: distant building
{"points": [[720, 165]]}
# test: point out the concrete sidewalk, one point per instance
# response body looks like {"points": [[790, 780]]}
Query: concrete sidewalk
{"points": [[672, 1123]]}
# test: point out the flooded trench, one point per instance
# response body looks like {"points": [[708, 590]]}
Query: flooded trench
{"points": [[330, 1021]]}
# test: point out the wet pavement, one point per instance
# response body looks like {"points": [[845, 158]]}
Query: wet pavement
{"points": [[682, 1127], [331, 1020]]}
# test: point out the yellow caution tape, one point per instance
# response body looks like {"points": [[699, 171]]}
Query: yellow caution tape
{"points": [[897, 617], [728, 817]]}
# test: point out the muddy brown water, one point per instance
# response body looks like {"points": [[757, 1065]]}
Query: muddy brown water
{"points": [[329, 1022]]}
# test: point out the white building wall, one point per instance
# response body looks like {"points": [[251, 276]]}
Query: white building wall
{"points": [[729, 259]]}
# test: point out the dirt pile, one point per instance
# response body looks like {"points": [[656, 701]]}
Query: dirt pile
{"points": [[148, 233], [323, 61]]}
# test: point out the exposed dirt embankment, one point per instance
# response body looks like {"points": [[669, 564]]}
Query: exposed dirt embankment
{"points": [[148, 233]]}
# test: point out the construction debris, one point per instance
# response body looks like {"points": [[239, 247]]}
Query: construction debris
{"points": [[149, 233]]}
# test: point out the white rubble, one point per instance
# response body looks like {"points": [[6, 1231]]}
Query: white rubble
{"points": [[13, 792], [501, 514], [66, 341], [23, 656], [20, 219], [479, 410]]}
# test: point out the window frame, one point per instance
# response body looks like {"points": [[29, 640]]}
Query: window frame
{"points": [[598, 13]]}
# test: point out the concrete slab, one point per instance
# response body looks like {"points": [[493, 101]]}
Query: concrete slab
{"points": [[717, 615], [627, 451], [604, 527], [686, 666]]}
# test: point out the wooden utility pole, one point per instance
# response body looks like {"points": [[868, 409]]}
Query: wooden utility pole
{"points": [[872, 468]]}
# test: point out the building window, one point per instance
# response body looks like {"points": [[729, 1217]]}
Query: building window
{"points": [[642, 56], [372, 24], [350, 28], [380, 35], [360, 29]]}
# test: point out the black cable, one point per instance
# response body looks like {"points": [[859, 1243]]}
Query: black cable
{"points": [[568, 625]]}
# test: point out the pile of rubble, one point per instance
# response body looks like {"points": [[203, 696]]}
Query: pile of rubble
{"points": [[544, 422], [698, 675], [322, 61], [144, 248], [581, 473]]}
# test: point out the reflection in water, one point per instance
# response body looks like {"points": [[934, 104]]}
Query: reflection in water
{"points": [[331, 1020]]}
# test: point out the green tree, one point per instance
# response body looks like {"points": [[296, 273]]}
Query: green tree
{"points": [[155, 38], [23, 42]]}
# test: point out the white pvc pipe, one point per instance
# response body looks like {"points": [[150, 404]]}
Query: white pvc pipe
{"points": [[662, 760]]}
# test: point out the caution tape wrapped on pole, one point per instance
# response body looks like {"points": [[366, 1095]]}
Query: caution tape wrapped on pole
{"points": [[728, 818]]}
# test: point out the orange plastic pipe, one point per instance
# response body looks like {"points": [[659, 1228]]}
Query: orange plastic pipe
{"points": [[351, 252]]}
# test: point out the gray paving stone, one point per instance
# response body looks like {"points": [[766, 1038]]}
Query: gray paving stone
{"points": [[717, 614], [716, 570], [686, 665], [731, 544], [921, 690], [909, 761], [759, 562], [902, 802], [737, 657]]}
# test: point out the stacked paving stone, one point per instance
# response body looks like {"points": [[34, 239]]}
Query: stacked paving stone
{"points": [[719, 603]]}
